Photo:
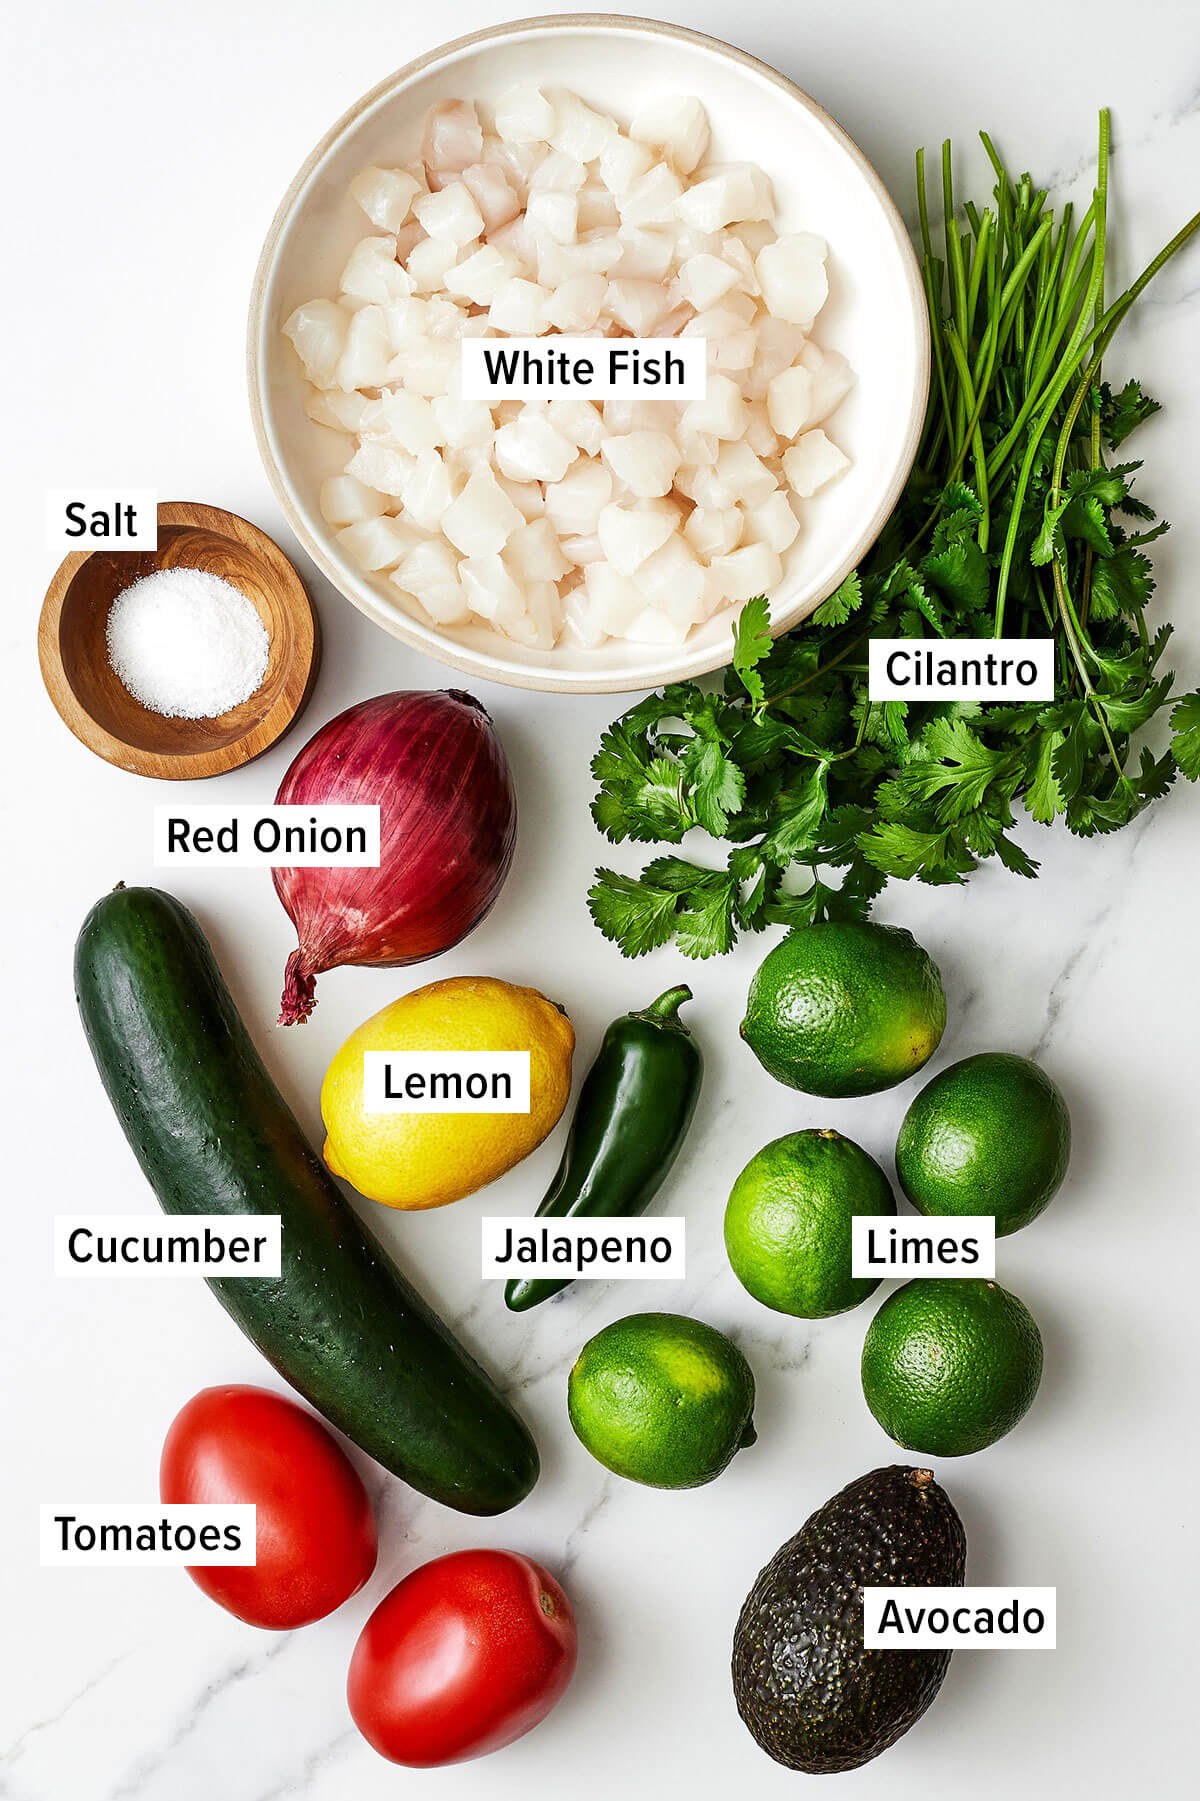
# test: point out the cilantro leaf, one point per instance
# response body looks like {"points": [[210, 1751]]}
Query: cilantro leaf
{"points": [[845, 600], [797, 816], [1122, 413], [751, 644], [718, 786], [706, 928], [633, 913], [1185, 739]]}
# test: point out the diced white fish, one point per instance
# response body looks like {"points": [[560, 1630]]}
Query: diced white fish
{"points": [[453, 141], [812, 461]]}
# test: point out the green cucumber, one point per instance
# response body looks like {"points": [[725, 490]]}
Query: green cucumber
{"points": [[213, 1134]]}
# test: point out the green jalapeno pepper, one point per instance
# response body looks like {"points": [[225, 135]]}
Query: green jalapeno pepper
{"points": [[631, 1118]]}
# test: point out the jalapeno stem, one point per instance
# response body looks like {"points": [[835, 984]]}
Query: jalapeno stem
{"points": [[666, 1007]]}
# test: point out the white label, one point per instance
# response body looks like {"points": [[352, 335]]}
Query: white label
{"points": [[601, 368], [923, 1247], [246, 837], [117, 1534], [446, 1081], [203, 1244], [961, 669], [101, 519], [582, 1249], [959, 1619]]}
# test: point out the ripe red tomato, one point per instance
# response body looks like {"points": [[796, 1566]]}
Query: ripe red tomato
{"points": [[315, 1530], [465, 1655]]}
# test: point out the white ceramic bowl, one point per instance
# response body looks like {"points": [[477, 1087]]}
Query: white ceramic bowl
{"points": [[875, 314]]}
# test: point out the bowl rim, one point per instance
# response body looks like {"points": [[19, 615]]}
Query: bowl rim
{"points": [[427, 639], [207, 760]]}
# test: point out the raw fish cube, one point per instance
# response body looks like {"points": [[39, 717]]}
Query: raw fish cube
{"points": [[372, 272], [637, 305], [677, 126], [364, 361], [491, 591], [346, 501], [558, 173], [461, 422], [517, 308], [403, 418], [722, 412], [427, 366], [653, 626], [451, 214], [613, 599], [630, 535], [703, 280], [482, 519], [791, 272], [713, 531], [645, 461], [428, 262], [577, 130], [832, 380], [554, 215], [318, 332], [653, 199], [385, 196], [811, 462], [493, 193], [672, 578], [381, 466], [574, 504], [719, 200], [579, 421], [533, 553], [623, 162], [580, 625], [530, 449], [524, 116], [453, 141], [428, 490], [377, 543], [789, 401], [481, 276], [754, 569], [340, 412], [576, 303], [772, 522]]}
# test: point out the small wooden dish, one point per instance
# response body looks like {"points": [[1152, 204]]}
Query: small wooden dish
{"points": [[101, 712]]}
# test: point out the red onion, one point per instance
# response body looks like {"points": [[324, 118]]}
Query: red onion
{"points": [[447, 824]]}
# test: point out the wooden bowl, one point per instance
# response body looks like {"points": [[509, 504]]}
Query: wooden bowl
{"points": [[90, 696]]}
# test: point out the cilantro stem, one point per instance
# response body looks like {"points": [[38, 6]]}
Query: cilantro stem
{"points": [[1102, 335], [823, 669]]}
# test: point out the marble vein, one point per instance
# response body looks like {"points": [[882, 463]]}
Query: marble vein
{"points": [[154, 1761], [19, 1745]]}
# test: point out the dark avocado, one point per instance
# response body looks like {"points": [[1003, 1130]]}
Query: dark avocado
{"points": [[809, 1692]]}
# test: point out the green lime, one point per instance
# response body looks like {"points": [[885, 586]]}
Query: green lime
{"points": [[988, 1135], [842, 1009], [662, 1399], [787, 1224], [950, 1366]]}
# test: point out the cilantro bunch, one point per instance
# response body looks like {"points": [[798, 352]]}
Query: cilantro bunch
{"points": [[1016, 521]]}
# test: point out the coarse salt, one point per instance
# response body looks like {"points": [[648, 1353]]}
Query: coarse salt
{"points": [[187, 644]]}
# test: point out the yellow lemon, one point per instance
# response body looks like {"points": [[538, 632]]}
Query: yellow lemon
{"points": [[419, 1160]]}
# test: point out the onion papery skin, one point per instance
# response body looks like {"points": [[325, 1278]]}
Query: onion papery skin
{"points": [[434, 764]]}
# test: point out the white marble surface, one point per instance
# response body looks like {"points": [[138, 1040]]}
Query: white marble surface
{"points": [[145, 145]]}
